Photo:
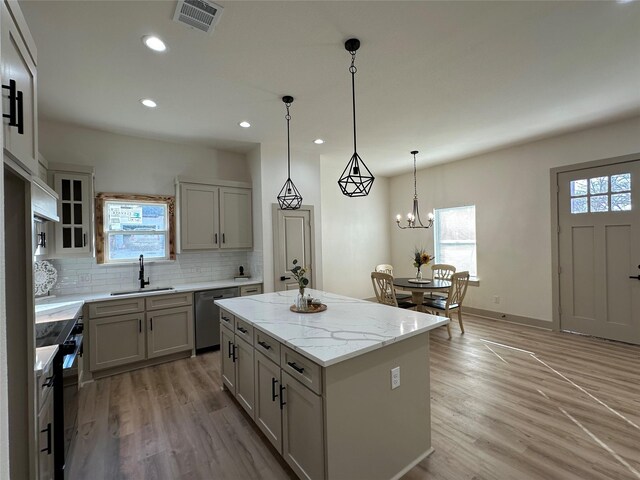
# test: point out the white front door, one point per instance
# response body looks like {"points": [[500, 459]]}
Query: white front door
{"points": [[291, 240], [599, 251]]}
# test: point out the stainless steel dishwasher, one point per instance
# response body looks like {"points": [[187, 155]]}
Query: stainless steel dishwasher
{"points": [[208, 316]]}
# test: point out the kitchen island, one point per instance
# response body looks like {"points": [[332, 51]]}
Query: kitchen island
{"points": [[341, 394]]}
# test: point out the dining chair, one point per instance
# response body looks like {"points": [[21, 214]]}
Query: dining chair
{"points": [[386, 268], [453, 302], [385, 293], [441, 271]]}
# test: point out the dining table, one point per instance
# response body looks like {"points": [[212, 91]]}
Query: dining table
{"points": [[418, 287]]}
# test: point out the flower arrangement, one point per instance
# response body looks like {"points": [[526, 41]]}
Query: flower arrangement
{"points": [[298, 273], [420, 257]]}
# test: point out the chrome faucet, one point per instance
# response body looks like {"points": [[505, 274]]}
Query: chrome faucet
{"points": [[141, 275]]}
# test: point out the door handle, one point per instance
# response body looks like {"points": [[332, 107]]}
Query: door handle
{"points": [[283, 278], [264, 345], [216, 239], [274, 395], [20, 113], [151, 323], [282, 402], [296, 367], [637, 277], [230, 349], [242, 330], [15, 114], [223, 239]]}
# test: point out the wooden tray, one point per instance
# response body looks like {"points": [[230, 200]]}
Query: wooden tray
{"points": [[311, 309]]}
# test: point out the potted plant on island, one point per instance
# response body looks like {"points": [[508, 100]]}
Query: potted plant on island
{"points": [[298, 273]]}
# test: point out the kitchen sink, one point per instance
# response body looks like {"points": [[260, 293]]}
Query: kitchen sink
{"points": [[141, 291]]}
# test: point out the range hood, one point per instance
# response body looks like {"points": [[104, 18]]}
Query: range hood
{"points": [[44, 201]]}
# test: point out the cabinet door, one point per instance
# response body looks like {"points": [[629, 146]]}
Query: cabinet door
{"points": [[245, 381], [45, 441], [199, 217], [116, 341], [268, 415], [302, 429], [235, 218], [73, 231], [169, 331], [228, 353], [19, 66]]}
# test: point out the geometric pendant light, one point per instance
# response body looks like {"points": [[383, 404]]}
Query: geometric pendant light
{"points": [[356, 179], [289, 197]]}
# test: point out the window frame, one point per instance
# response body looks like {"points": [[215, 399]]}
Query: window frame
{"points": [[102, 237], [436, 240]]}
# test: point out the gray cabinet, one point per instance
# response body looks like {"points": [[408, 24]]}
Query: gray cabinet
{"points": [[74, 232], [20, 99], [237, 363], [214, 217], [116, 341], [45, 440], [169, 331], [131, 330], [284, 398]]}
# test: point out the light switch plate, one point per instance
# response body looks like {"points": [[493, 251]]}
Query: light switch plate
{"points": [[395, 377]]}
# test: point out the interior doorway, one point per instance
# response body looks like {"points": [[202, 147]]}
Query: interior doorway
{"points": [[292, 239], [598, 249]]}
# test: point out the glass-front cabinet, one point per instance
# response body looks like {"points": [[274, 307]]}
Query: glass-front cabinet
{"points": [[74, 232]]}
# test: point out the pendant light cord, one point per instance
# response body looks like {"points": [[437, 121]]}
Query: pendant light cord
{"points": [[353, 71], [415, 187], [288, 118]]}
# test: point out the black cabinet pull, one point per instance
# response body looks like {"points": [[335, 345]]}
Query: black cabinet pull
{"points": [[274, 395], [235, 357], [252, 291], [637, 277], [264, 345], [283, 278], [230, 349], [139, 326], [216, 239], [48, 381], [223, 240], [84, 239], [42, 239], [225, 319], [48, 447], [151, 323], [282, 402], [241, 329], [295, 367], [15, 114]]}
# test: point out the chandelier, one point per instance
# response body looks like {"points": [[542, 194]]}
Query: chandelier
{"points": [[413, 218]]}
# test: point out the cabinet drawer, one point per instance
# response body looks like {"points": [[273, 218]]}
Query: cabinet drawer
{"points": [[244, 330], [227, 319], [250, 290], [267, 346], [116, 307], [302, 369], [157, 302]]}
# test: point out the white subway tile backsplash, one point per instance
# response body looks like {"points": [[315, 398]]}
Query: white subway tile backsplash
{"points": [[83, 275]]}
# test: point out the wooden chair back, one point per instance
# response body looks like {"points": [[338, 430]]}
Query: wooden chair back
{"points": [[458, 289], [383, 288], [442, 271], [384, 268]]}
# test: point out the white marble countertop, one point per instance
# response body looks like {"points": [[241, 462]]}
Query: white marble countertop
{"points": [[348, 328], [44, 356], [58, 308]]}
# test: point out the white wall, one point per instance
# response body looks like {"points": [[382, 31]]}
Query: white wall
{"points": [[255, 258], [126, 164], [355, 233], [511, 191], [305, 173]]}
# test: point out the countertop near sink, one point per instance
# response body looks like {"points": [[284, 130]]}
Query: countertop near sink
{"points": [[50, 309]]}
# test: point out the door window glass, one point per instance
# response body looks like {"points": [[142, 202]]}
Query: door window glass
{"points": [[601, 194]]}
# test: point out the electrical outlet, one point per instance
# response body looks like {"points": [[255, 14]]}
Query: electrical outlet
{"points": [[496, 299], [395, 377], [85, 277]]}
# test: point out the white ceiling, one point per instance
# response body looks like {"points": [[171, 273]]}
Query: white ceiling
{"points": [[450, 79]]}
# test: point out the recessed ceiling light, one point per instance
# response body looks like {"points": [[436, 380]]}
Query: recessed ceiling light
{"points": [[147, 102], [244, 124], [154, 43], [624, 1], [318, 141]]}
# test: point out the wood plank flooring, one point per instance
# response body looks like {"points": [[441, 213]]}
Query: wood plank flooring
{"points": [[508, 402]]}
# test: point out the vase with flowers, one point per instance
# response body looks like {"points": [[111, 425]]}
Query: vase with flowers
{"points": [[298, 273], [420, 258]]}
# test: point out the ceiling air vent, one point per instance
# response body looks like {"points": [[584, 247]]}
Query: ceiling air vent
{"points": [[198, 14]]}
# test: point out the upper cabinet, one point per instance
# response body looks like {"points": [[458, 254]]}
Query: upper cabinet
{"points": [[19, 88], [213, 216], [74, 232]]}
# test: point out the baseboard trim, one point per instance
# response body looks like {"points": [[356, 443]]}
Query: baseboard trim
{"points": [[413, 464], [508, 317]]}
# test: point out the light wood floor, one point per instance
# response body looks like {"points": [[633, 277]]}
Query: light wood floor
{"points": [[570, 409]]}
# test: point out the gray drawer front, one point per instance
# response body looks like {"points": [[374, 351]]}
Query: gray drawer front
{"points": [[302, 369], [267, 345], [227, 320], [244, 330], [156, 302], [116, 307]]}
